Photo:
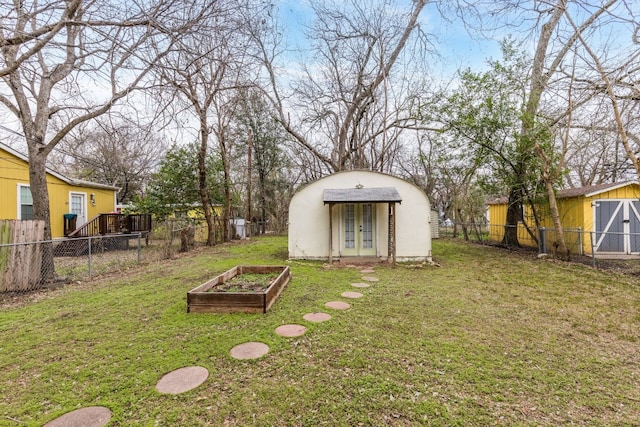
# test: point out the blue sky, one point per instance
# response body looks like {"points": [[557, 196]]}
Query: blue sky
{"points": [[457, 49]]}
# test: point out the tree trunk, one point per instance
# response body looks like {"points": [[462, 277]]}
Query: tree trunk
{"points": [[41, 207], [263, 201], [514, 214], [539, 79], [202, 181], [227, 203], [561, 246], [463, 225], [224, 156]]}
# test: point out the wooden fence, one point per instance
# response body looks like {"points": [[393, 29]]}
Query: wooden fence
{"points": [[20, 259]]}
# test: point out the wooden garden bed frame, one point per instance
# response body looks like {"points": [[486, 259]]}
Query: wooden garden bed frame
{"points": [[202, 300]]}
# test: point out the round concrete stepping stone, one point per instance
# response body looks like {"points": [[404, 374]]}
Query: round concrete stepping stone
{"points": [[337, 305], [291, 330], [91, 416], [249, 350], [360, 285], [370, 279], [367, 271], [352, 294], [182, 380], [316, 317]]}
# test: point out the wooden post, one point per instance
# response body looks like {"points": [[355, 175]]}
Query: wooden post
{"points": [[330, 233], [392, 232]]}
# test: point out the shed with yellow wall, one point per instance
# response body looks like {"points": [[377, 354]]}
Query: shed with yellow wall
{"points": [[603, 218], [66, 195]]}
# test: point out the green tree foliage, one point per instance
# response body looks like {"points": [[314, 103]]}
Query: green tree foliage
{"points": [[482, 120], [175, 186]]}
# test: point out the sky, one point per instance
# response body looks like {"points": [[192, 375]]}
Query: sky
{"points": [[456, 48]]}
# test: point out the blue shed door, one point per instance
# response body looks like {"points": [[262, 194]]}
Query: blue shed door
{"points": [[617, 226], [634, 226]]}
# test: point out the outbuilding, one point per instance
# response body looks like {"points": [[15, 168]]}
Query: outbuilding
{"points": [[603, 218], [68, 198], [360, 215]]}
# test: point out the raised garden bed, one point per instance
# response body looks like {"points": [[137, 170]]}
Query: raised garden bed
{"points": [[244, 289]]}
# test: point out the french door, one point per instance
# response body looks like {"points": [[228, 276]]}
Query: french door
{"points": [[359, 229]]}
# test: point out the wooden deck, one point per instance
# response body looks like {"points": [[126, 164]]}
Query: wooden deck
{"points": [[113, 223]]}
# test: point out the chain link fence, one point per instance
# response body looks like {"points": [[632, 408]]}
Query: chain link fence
{"points": [[27, 266], [597, 249], [33, 265]]}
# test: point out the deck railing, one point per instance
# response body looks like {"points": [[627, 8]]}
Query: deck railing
{"points": [[112, 223]]}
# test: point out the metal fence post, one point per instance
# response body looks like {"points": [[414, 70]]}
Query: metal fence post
{"points": [[89, 244], [139, 246], [542, 240]]}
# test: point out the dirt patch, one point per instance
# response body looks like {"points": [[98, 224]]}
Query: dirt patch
{"points": [[249, 282]]}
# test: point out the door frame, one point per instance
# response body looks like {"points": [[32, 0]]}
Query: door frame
{"points": [[359, 249], [84, 219]]}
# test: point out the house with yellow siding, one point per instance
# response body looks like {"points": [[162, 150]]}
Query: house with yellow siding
{"points": [[604, 219], [84, 199]]}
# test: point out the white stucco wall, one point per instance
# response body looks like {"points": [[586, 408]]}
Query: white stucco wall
{"points": [[309, 218]]}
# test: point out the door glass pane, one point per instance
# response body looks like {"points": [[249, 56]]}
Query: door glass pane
{"points": [[349, 226], [367, 226], [76, 205]]}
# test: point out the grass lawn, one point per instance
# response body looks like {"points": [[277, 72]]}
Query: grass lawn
{"points": [[487, 337]]}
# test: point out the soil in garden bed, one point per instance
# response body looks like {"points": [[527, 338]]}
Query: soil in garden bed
{"points": [[249, 282]]}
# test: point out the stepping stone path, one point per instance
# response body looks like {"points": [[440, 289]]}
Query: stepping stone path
{"points": [[316, 317], [291, 330], [190, 377], [182, 380], [352, 294], [91, 416], [360, 285], [337, 305], [249, 350]]}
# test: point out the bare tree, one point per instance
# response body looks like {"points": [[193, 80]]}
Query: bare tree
{"points": [[344, 106], [29, 40], [595, 153], [119, 153], [620, 84], [203, 72], [98, 55], [267, 154]]}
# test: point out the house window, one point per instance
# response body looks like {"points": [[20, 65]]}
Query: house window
{"points": [[25, 202]]}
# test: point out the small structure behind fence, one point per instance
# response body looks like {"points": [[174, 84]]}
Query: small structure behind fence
{"points": [[609, 245]]}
